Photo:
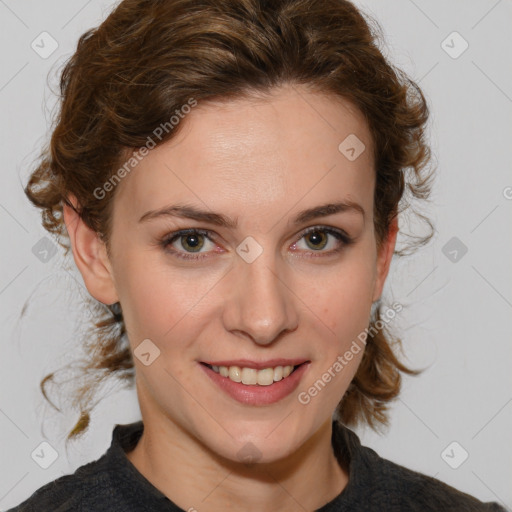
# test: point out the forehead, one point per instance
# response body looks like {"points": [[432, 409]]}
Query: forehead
{"points": [[268, 152]]}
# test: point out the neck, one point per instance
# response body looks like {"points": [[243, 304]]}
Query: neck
{"points": [[193, 477]]}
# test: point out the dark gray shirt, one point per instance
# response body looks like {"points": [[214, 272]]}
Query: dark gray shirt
{"points": [[112, 483]]}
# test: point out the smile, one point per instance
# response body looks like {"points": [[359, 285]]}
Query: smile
{"points": [[257, 386]]}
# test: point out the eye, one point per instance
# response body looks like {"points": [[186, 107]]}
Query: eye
{"points": [[317, 238], [188, 243], [191, 240]]}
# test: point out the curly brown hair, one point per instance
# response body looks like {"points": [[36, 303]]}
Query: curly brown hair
{"points": [[149, 57]]}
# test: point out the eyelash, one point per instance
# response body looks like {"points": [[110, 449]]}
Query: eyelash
{"points": [[171, 237]]}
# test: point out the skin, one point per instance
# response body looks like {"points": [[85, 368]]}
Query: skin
{"points": [[261, 161]]}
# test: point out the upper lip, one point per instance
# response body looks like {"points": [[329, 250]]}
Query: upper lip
{"points": [[258, 365]]}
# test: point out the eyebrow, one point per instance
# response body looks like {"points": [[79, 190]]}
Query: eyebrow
{"points": [[218, 219]]}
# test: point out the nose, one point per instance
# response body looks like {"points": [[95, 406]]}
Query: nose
{"points": [[261, 306]]}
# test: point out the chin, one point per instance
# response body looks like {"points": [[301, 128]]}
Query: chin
{"points": [[264, 443]]}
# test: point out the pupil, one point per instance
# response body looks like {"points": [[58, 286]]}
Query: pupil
{"points": [[314, 236], [192, 241], [317, 239]]}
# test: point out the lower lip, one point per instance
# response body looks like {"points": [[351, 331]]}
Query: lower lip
{"points": [[255, 394]]}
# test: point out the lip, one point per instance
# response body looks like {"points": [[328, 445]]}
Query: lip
{"points": [[257, 365], [255, 394]]}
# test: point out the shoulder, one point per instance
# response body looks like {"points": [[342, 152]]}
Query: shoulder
{"points": [[75, 492], [110, 483], [381, 484], [416, 491]]}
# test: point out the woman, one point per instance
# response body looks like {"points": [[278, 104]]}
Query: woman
{"points": [[230, 176]]}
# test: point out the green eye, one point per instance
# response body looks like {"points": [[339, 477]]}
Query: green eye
{"points": [[318, 241], [317, 238], [192, 241]]}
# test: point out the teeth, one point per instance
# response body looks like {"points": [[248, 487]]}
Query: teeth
{"points": [[250, 376], [235, 374]]}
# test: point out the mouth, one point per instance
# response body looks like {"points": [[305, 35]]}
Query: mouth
{"points": [[248, 375], [257, 384]]}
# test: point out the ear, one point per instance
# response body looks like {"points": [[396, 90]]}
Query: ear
{"points": [[384, 258], [90, 255]]}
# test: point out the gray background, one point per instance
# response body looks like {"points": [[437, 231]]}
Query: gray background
{"points": [[458, 316]]}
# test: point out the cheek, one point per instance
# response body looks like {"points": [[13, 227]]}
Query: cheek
{"points": [[159, 300], [344, 307], [342, 297]]}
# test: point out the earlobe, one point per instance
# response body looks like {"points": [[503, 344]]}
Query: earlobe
{"points": [[90, 255], [384, 258]]}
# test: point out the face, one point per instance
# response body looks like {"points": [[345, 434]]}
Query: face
{"points": [[268, 287]]}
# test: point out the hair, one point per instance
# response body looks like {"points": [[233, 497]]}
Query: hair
{"points": [[148, 59]]}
